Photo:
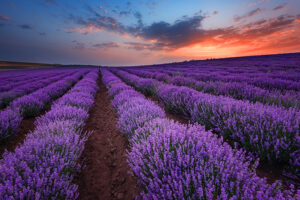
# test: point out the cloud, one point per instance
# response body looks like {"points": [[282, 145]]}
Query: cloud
{"points": [[138, 16], [256, 3], [124, 13], [102, 9], [42, 33], [173, 35], [96, 23], [26, 27], [128, 4], [261, 28], [184, 32], [249, 14], [4, 18], [78, 45], [170, 37], [49, 3], [151, 4], [106, 45], [138, 46], [216, 12], [84, 30], [280, 7]]}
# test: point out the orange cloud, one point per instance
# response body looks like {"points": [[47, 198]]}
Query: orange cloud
{"points": [[85, 30], [268, 37]]}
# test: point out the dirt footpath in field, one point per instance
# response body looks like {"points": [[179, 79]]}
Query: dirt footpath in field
{"points": [[18, 138], [107, 174]]}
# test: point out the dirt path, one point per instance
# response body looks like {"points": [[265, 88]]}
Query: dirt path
{"points": [[18, 138], [106, 174]]}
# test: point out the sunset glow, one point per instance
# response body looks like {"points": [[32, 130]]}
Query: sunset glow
{"points": [[145, 32]]}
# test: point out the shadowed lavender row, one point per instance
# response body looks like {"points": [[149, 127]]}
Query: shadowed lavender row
{"points": [[236, 90], [210, 71], [31, 105], [30, 86], [271, 133], [254, 69], [44, 166], [174, 161], [264, 82], [28, 77]]}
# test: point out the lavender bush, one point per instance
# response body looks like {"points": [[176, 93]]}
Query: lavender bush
{"points": [[270, 132], [9, 123], [27, 86], [123, 97], [28, 106], [174, 161], [31, 105], [136, 116], [44, 166], [237, 90]]}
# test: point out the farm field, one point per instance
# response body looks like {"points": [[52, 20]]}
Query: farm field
{"points": [[210, 129]]}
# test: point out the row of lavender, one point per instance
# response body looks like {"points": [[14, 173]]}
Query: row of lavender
{"points": [[174, 161], [16, 78], [271, 133], [30, 85], [44, 166], [236, 90], [282, 67], [32, 104], [262, 81], [283, 73]]}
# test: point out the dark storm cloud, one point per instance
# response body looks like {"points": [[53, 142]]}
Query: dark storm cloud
{"points": [[106, 45], [249, 14], [26, 27], [188, 32], [172, 35], [176, 34], [185, 31]]}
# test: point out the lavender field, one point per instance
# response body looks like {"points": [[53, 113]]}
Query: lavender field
{"points": [[212, 129]]}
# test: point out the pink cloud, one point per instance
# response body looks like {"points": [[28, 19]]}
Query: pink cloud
{"points": [[4, 18], [257, 3]]}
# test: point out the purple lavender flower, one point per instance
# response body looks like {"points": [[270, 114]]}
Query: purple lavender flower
{"points": [[28, 106], [9, 122]]}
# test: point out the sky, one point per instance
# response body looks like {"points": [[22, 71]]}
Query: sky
{"points": [[127, 32]]}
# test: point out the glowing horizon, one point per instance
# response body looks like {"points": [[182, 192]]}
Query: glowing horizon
{"points": [[145, 32]]}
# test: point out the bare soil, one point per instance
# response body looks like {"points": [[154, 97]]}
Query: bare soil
{"points": [[18, 138], [26, 126], [106, 174]]}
